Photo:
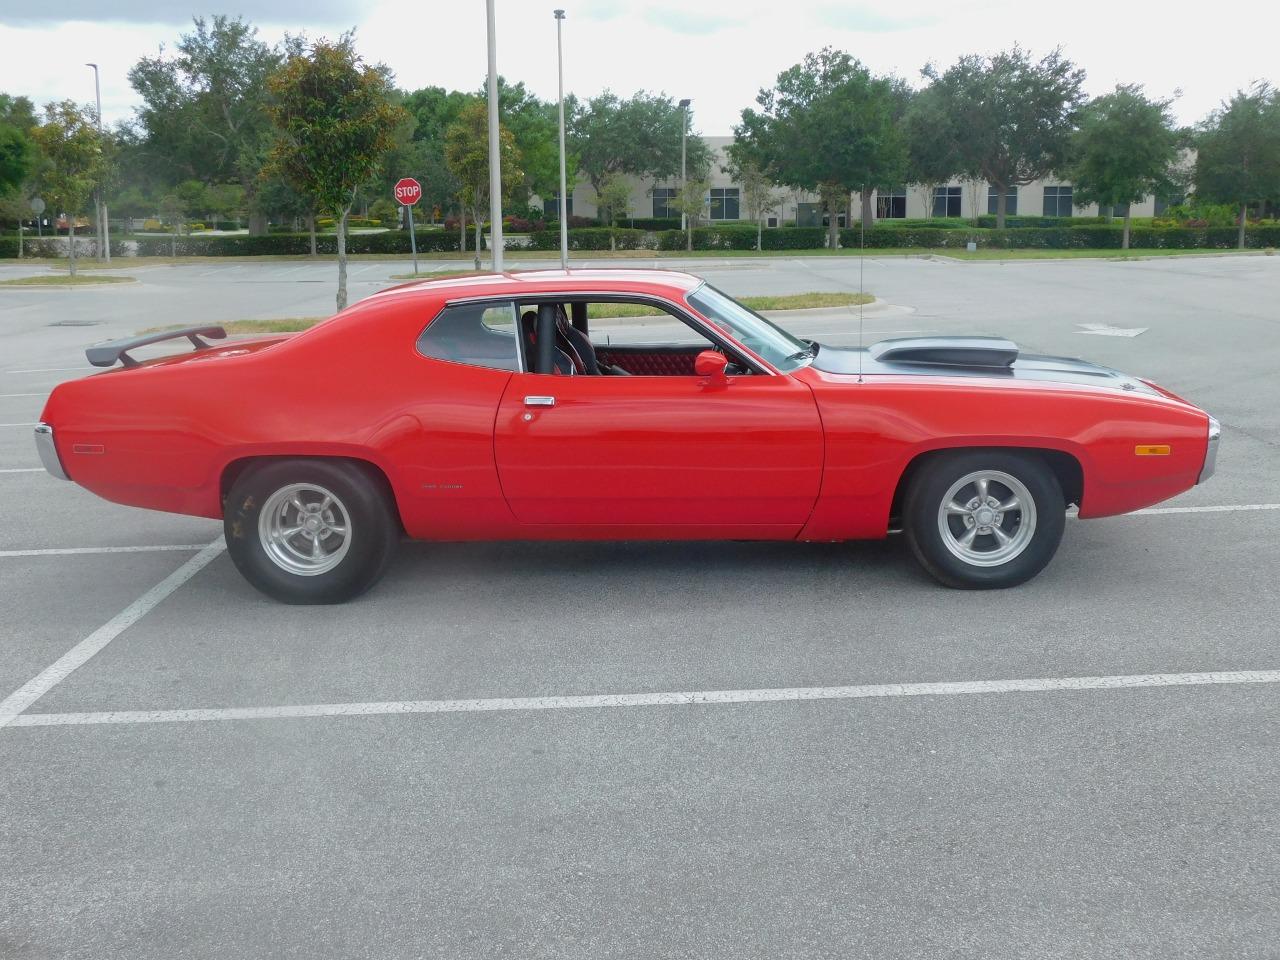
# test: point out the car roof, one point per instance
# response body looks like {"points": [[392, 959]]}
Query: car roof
{"points": [[670, 283]]}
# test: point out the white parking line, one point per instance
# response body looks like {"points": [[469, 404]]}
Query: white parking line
{"points": [[7, 396], [22, 470], [1228, 508], [682, 698], [58, 671], [31, 424], [78, 551]]}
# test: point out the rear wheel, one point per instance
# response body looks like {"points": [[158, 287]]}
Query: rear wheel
{"points": [[310, 531], [984, 519]]}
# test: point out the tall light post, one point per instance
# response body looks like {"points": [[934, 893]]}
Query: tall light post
{"points": [[684, 130], [495, 158], [564, 203], [104, 229]]}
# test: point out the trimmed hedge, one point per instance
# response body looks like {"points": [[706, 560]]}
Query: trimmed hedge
{"points": [[652, 223], [1016, 221], [397, 241], [592, 238], [53, 249]]}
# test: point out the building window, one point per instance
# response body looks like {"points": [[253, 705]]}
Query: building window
{"points": [[1164, 203], [664, 199], [946, 201], [1010, 201], [1057, 201], [826, 220], [551, 207], [891, 204], [771, 222], [724, 203]]}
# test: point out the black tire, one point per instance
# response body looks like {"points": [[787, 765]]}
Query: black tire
{"points": [[360, 495], [930, 488]]}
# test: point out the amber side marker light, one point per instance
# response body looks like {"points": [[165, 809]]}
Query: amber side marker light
{"points": [[1152, 450]]}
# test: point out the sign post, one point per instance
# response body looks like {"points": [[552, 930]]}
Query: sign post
{"points": [[37, 207], [408, 191]]}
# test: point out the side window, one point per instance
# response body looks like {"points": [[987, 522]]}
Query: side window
{"points": [[615, 324], [479, 334]]}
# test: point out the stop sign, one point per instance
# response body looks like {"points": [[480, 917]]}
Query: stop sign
{"points": [[408, 191]]}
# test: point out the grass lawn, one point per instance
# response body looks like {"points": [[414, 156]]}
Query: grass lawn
{"points": [[64, 280], [595, 311]]}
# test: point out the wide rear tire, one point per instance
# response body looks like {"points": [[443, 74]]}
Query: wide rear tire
{"points": [[984, 519], [310, 530]]}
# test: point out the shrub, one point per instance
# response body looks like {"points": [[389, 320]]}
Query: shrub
{"points": [[521, 225], [795, 238], [592, 238], [278, 244], [575, 223], [652, 223]]}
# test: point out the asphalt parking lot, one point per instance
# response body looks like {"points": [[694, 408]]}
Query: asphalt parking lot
{"points": [[657, 750]]}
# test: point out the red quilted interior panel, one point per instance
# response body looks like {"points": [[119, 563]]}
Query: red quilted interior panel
{"points": [[650, 364]]}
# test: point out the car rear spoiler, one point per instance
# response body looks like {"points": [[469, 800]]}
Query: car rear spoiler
{"points": [[106, 354]]}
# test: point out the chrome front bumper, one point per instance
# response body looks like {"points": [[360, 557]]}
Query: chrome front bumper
{"points": [[1211, 452], [48, 452]]}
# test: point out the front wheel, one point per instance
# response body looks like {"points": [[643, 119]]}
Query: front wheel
{"points": [[310, 531], [984, 519]]}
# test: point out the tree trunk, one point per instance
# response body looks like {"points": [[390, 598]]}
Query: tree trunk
{"points": [[833, 228], [1124, 241], [759, 234], [868, 214], [342, 259], [462, 226], [1002, 204], [1244, 218], [478, 241], [311, 229], [613, 242], [688, 234], [173, 239], [19, 238], [71, 243], [257, 219]]}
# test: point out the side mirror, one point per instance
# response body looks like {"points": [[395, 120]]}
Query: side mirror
{"points": [[710, 363]]}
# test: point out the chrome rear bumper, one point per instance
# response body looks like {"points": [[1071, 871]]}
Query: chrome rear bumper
{"points": [[1211, 452], [48, 452]]}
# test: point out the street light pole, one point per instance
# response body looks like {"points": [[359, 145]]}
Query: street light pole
{"points": [[495, 158], [684, 129], [104, 229], [564, 203]]}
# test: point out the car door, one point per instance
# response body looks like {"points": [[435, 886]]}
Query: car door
{"points": [[735, 457]]}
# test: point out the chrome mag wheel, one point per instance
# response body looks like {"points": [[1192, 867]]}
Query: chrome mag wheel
{"points": [[305, 529], [987, 518]]}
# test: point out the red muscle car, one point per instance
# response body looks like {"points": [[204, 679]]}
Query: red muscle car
{"points": [[539, 406]]}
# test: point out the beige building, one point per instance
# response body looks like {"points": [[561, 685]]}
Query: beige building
{"points": [[960, 198]]}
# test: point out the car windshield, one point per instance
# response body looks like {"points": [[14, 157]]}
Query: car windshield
{"points": [[774, 344]]}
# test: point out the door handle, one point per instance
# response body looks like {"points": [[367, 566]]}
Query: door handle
{"points": [[539, 401]]}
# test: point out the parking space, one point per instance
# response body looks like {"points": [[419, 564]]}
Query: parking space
{"points": [[443, 793]]}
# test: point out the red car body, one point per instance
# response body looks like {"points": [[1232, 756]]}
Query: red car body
{"points": [[809, 454]]}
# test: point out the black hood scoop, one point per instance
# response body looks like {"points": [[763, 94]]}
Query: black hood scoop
{"points": [[947, 351]]}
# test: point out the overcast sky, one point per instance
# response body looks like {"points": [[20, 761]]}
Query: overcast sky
{"points": [[718, 52]]}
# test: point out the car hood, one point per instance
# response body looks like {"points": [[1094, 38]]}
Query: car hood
{"points": [[852, 361]]}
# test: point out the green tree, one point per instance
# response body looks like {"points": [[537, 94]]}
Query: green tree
{"points": [[1123, 150], [639, 136], [691, 200], [758, 194], [466, 152], [1238, 152], [19, 157], [334, 117], [932, 159], [829, 126], [68, 138], [1009, 119], [173, 210], [204, 110], [613, 201]]}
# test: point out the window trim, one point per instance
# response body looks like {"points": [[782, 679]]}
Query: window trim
{"points": [[679, 310]]}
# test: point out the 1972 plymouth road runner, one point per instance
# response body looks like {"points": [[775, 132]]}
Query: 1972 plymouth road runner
{"points": [[531, 406]]}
